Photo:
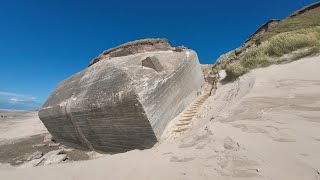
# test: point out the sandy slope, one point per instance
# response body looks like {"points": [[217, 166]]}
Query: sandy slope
{"points": [[263, 126]]}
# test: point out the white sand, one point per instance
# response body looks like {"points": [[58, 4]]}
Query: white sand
{"points": [[19, 125], [264, 126]]}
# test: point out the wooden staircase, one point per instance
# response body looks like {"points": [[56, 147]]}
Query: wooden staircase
{"points": [[186, 118]]}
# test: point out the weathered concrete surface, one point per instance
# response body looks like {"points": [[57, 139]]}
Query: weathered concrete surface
{"points": [[117, 105], [152, 62]]}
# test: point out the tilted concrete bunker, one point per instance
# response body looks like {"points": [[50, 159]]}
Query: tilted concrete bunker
{"points": [[123, 102]]}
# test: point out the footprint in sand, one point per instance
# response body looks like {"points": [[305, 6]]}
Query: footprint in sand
{"points": [[181, 159], [230, 144], [316, 138]]}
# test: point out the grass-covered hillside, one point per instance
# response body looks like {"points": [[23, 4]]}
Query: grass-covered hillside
{"points": [[292, 38]]}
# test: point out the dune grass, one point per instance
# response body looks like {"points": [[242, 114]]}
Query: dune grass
{"points": [[225, 57], [276, 46], [287, 42], [293, 38], [303, 21], [206, 68]]}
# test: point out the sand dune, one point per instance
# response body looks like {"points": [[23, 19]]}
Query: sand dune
{"points": [[263, 126]]}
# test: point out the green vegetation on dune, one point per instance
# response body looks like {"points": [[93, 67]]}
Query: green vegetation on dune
{"points": [[287, 42], [306, 20], [206, 68], [292, 38], [270, 51]]}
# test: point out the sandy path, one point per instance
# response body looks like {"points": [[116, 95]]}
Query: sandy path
{"points": [[263, 126]]}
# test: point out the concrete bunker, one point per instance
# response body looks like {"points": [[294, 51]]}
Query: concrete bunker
{"points": [[117, 104]]}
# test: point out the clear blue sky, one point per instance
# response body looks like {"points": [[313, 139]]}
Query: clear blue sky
{"points": [[43, 42]]}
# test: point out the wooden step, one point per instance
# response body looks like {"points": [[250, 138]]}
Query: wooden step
{"points": [[180, 129], [183, 124], [187, 115], [185, 120], [198, 103], [191, 112]]}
